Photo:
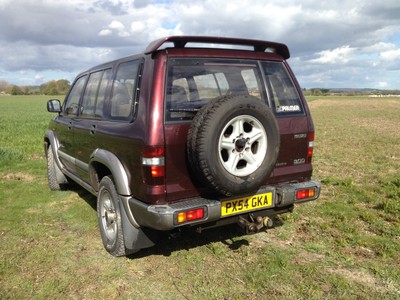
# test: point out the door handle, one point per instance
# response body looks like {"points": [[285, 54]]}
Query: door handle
{"points": [[93, 130]]}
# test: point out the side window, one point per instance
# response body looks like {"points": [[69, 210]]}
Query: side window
{"points": [[285, 98], [250, 80], [90, 95], [71, 106], [207, 86], [222, 83], [123, 91], [180, 90], [101, 95]]}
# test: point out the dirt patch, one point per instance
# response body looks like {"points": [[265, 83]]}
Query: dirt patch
{"points": [[19, 176], [359, 276]]}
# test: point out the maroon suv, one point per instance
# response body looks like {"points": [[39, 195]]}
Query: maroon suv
{"points": [[186, 134]]}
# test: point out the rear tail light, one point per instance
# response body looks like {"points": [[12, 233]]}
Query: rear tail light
{"points": [[189, 215], [153, 162], [305, 194], [310, 148]]}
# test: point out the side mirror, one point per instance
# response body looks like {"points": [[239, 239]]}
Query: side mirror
{"points": [[54, 105]]}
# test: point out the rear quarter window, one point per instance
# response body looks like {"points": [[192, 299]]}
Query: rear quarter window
{"points": [[283, 94], [124, 89]]}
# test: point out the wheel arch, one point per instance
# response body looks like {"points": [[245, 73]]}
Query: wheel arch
{"points": [[50, 140], [51, 143], [103, 163]]}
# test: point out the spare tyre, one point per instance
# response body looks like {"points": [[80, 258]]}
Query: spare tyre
{"points": [[233, 143]]}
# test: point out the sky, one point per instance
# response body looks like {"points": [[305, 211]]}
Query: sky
{"points": [[333, 44]]}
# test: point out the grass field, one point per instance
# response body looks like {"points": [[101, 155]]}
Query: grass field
{"points": [[345, 245]]}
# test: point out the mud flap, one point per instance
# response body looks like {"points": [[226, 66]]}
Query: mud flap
{"points": [[135, 238]]}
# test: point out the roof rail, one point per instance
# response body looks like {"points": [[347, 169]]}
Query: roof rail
{"points": [[181, 41]]}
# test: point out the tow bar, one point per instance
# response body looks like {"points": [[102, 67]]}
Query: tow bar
{"points": [[256, 224]]}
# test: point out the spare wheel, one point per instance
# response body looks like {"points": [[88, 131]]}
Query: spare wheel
{"points": [[233, 143]]}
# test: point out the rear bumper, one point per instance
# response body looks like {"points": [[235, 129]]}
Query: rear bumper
{"points": [[163, 217]]}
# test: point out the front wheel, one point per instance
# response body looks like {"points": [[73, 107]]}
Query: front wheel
{"points": [[109, 217]]}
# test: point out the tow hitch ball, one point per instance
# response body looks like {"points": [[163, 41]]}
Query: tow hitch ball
{"points": [[255, 224]]}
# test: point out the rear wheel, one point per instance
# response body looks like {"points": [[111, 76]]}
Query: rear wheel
{"points": [[109, 217]]}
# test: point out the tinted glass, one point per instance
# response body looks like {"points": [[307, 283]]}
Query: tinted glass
{"points": [[89, 98], [72, 102], [192, 83], [283, 93], [123, 92], [101, 95]]}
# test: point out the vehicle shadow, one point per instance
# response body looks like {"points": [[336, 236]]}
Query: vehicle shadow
{"points": [[82, 193], [233, 236]]}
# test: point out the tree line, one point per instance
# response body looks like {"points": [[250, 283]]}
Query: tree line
{"points": [[53, 87], [348, 92], [61, 87]]}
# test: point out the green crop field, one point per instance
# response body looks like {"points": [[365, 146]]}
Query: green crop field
{"points": [[345, 245]]}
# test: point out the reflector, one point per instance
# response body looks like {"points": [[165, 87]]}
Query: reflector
{"points": [[310, 149]]}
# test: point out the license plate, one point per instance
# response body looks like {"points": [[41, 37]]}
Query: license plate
{"points": [[240, 205]]}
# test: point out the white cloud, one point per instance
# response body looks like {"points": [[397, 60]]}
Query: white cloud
{"points": [[116, 25], [119, 28], [335, 56], [390, 55], [137, 27], [105, 32]]}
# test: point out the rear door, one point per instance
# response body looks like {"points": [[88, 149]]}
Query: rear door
{"points": [[86, 125], [191, 83], [107, 111]]}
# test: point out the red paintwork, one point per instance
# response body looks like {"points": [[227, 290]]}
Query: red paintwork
{"points": [[148, 128]]}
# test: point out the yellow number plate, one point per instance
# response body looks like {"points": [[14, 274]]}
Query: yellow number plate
{"points": [[237, 206]]}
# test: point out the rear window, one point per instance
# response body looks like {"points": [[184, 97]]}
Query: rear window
{"points": [[191, 83]]}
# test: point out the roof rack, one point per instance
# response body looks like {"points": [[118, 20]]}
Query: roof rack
{"points": [[181, 41]]}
